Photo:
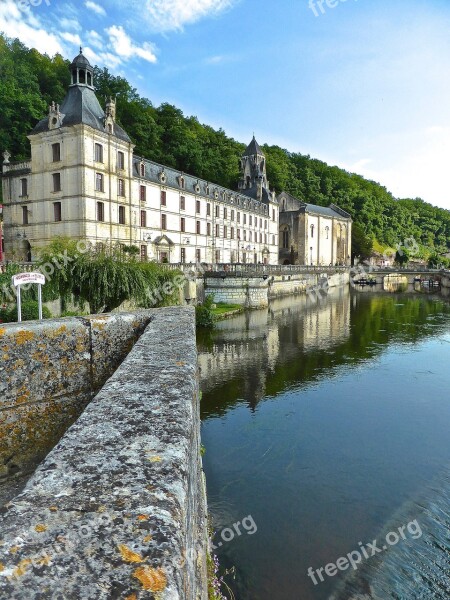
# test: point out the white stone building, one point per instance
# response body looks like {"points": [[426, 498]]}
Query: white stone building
{"points": [[84, 182]]}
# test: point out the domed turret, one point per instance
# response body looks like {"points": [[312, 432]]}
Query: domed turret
{"points": [[82, 71]]}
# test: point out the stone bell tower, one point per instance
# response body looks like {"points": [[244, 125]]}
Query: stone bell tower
{"points": [[253, 171]]}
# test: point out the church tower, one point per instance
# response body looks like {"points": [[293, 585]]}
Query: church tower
{"points": [[253, 181]]}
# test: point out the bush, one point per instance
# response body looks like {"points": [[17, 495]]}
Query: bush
{"points": [[204, 315], [30, 312]]}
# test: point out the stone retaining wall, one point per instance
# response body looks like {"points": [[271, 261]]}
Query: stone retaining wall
{"points": [[49, 370], [117, 509]]}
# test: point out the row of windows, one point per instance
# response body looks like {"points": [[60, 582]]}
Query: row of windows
{"points": [[217, 210], [57, 214], [98, 156]]}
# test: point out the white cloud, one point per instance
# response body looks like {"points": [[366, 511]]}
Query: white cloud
{"points": [[23, 24], [99, 10], [167, 15], [125, 48], [72, 38], [95, 39], [69, 24]]}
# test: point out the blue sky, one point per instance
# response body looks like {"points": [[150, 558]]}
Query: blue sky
{"points": [[359, 83]]}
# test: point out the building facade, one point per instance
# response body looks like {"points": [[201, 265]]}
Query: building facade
{"points": [[313, 235], [84, 182]]}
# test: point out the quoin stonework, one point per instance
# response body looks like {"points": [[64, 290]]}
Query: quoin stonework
{"points": [[84, 181]]}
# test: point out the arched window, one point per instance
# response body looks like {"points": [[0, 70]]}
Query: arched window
{"points": [[327, 232], [312, 231], [286, 239], [89, 79], [82, 76]]}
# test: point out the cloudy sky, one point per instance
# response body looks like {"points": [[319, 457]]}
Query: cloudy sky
{"points": [[359, 83]]}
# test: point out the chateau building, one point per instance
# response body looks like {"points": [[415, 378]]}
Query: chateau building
{"points": [[83, 181], [313, 235]]}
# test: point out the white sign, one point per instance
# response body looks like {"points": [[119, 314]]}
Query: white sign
{"points": [[24, 278]]}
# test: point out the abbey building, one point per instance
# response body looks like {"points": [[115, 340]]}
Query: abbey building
{"points": [[85, 182]]}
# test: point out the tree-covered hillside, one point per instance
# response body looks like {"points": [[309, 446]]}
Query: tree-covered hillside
{"points": [[29, 81]]}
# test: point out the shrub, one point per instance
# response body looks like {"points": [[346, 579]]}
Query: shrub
{"points": [[30, 312], [204, 314]]}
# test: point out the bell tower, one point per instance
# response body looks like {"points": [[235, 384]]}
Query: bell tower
{"points": [[253, 170]]}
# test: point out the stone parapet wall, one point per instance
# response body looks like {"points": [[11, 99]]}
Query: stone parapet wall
{"points": [[49, 370], [117, 509]]}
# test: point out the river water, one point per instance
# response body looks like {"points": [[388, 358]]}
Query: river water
{"points": [[326, 423]]}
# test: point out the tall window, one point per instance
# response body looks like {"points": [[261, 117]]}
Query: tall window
{"points": [[224, 212], [208, 209], [163, 197], [24, 215], [56, 182], [238, 231], [245, 218], [245, 235], [208, 228], [217, 256], [250, 221], [142, 169], [327, 231], [273, 215], [24, 187], [120, 160], [143, 252], [163, 221], [238, 217], [312, 231], [198, 255], [232, 215], [217, 231], [121, 187], [142, 193], [260, 238], [217, 211], [122, 215], [197, 227], [182, 183], [56, 152], [143, 218], [99, 182], [98, 153], [100, 211], [265, 224], [249, 236], [182, 203], [197, 206], [232, 233], [183, 224], [57, 211], [183, 255], [225, 231]]}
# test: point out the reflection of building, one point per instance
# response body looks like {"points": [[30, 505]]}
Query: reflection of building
{"points": [[250, 348], [83, 181], [313, 235]]}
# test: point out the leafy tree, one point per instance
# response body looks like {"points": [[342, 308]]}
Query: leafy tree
{"points": [[362, 244]]}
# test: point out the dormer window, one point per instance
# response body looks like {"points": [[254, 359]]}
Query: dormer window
{"points": [[142, 169], [181, 180]]}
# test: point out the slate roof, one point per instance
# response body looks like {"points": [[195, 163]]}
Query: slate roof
{"points": [[325, 211], [253, 148], [238, 200], [81, 106]]}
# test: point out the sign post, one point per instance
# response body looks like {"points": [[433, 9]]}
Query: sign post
{"points": [[26, 279]]}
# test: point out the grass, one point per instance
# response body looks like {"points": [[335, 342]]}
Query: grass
{"points": [[222, 308]]}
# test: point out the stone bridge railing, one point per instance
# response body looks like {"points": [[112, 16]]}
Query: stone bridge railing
{"points": [[117, 509]]}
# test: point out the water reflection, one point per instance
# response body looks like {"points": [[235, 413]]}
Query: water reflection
{"points": [[321, 419]]}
